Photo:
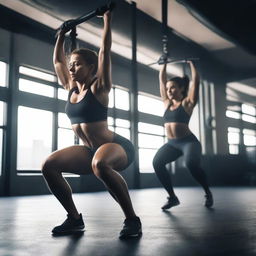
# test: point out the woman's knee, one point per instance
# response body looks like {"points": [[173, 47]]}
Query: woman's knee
{"points": [[48, 166], [193, 165], [100, 167], [157, 163], [190, 164]]}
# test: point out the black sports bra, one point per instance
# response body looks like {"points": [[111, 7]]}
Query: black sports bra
{"points": [[178, 115], [87, 110]]}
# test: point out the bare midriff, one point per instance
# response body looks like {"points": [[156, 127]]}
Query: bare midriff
{"points": [[93, 134], [177, 130]]}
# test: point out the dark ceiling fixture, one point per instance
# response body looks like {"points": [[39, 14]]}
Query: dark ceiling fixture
{"points": [[234, 20]]}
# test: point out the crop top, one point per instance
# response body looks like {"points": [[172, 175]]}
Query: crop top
{"points": [[87, 110], [178, 115]]}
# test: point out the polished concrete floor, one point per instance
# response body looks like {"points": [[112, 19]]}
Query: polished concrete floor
{"points": [[189, 229]]}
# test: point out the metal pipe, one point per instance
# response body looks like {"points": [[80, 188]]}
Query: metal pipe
{"points": [[69, 24]]}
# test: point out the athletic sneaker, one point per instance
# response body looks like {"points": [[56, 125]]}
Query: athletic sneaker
{"points": [[131, 228], [70, 225], [171, 201], [208, 200]]}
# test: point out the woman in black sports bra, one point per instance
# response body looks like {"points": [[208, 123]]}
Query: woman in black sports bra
{"points": [[179, 100], [104, 154]]}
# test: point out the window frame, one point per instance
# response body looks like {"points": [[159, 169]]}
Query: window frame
{"points": [[240, 123]]}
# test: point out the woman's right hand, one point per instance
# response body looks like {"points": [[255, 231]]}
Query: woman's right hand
{"points": [[66, 27]]}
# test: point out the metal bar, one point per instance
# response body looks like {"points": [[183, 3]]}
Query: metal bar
{"points": [[162, 61], [69, 24], [134, 95], [9, 170]]}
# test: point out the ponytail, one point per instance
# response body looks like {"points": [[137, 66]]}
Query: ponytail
{"points": [[182, 82]]}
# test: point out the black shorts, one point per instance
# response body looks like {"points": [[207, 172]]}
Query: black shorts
{"points": [[125, 144]]}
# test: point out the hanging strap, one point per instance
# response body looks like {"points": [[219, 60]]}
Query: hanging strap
{"points": [[165, 26], [73, 36]]}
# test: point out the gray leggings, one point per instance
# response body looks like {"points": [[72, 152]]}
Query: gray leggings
{"points": [[190, 148]]}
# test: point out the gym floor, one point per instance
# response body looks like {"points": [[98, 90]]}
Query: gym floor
{"points": [[189, 229]]}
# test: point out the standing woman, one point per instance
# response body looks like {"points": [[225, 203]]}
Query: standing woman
{"points": [[88, 80], [179, 97]]}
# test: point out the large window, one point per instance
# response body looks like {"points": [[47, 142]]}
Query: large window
{"points": [[36, 82], [119, 98], [123, 127], [3, 74], [151, 138], [242, 111], [36, 88], [233, 140], [120, 126], [233, 114], [37, 74], [34, 137], [62, 94], [150, 105], [66, 136], [249, 113], [249, 137], [246, 114]]}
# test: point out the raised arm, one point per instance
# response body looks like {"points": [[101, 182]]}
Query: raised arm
{"points": [[104, 62], [194, 85], [59, 62], [162, 82]]}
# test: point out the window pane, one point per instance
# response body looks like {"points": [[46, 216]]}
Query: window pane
{"points": [[249, 132], [111, 128], [123, 132], [1, 150], [145, 159], [233, 129], [110, 120], [123, 123], [62, 94], [150, 141], [63, 121], [66, 138], [37, 74], [111, 99], [247, 118], [151, 128], [249, 110], [122, 99], [233, 138], [34, 137], [233, 149], [236, 108], [233, 114], [150, 105], [249, 140], [36, 88], [3, 74], [249, 137], [1, 113]]}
